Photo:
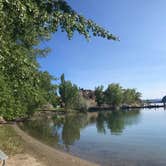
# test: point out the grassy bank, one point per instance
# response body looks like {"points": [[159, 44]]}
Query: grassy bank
{"points": [[10, 142]]}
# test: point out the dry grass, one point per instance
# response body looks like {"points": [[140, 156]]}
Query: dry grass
{"points": [[10, 142]]}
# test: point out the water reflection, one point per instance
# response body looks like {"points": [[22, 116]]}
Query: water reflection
{"points": [[117, 137], [116, 121], [71, 129], [43, 130], [67, 130]]}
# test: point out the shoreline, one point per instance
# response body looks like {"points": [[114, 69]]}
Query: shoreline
{"points": [[48, 155], [98, 109]]}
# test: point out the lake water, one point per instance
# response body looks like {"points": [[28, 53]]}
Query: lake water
{"points": [[122, 138]]}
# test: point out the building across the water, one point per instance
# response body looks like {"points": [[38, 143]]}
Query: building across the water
{"points": [[87, 94]]}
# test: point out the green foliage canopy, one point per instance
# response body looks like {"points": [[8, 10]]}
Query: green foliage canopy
{"points": [[113, 95], [69, 93], [23, 26], [131, 96], [99, 94]]}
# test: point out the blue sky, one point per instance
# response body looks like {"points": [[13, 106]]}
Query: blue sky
{"points": [[137, 61]]}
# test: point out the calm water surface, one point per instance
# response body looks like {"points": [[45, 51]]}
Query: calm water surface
{"points": [[123, 138]]}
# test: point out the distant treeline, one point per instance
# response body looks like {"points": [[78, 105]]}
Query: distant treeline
{"points": [[115, 96]]}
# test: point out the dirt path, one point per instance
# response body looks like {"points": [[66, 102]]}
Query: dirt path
{"points": [[46, 155], [23, 160]]}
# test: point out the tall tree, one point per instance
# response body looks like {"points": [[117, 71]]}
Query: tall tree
{"points": [[99, 95], [69, 93], [23, 26], [114, 95], [48, 89]]}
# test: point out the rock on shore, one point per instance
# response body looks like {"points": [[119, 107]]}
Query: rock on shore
{"points": [[2, 121]]}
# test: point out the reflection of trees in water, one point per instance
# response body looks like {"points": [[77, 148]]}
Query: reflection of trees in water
{"points": [[116, 121], [100, 123], [52, 132], [72, 127], [42, 130], [67, 130]]}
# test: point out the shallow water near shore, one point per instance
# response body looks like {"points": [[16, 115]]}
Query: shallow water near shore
{"points": [[135, 137]]}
